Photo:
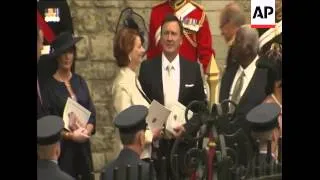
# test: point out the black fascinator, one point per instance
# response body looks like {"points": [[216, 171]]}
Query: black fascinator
{"points": [[272, 61], [130, 19]]}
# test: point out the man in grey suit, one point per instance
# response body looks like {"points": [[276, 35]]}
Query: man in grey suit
{"points": [[48, 136], [243, 83], [132, 125]]}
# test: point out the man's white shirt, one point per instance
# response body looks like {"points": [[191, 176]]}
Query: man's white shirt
{"points": [[171, 85], [248, 74]]}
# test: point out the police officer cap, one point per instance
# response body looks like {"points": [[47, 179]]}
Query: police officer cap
{"points": [[132, 119], [49, 129], [264, 117]]}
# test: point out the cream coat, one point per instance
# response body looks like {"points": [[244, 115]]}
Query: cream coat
{"points": [[125, 94]]}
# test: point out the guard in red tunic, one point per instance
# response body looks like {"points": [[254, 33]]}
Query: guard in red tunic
{"points": [[197, 40], [53, 17]]}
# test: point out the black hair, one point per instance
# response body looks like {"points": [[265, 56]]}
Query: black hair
{"points": [[172, 18], [272, 61]]}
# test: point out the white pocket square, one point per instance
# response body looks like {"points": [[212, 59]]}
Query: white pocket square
{"points": [[188, 85]]}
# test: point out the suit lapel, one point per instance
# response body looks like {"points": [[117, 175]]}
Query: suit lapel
{"points": [[183, 74], [227, 82], [158, 80], [250, 87]]}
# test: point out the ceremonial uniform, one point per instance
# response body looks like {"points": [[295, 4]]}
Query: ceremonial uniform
{"points": [[197, 42], [263, 119], [130, 121], [53, 17]]}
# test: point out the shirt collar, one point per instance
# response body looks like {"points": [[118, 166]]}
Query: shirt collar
{"points": [[230, 43], [128, 71], [166, 62], [55, 161], [249, 70]]}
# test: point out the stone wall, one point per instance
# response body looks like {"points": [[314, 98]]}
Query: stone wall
{"points": [[96, 21]]}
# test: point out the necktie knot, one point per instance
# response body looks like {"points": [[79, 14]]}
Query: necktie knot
{"points": [[236, 94], [169, 69]]}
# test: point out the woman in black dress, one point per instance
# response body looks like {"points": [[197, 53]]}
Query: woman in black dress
{"points": [[75, 158]]}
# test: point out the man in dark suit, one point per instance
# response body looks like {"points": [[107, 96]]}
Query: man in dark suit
{"points": [[132, 125], [169, 78], [231, 19], [41, 108], [243, 83], [48, 135]]}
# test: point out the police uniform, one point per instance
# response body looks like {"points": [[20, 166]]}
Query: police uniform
{"points": [[53, 17], [197, 42], [264, 118], [130, 120], [49, 132]]}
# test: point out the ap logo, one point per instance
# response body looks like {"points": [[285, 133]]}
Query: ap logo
{"points": [[263, 13]]}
